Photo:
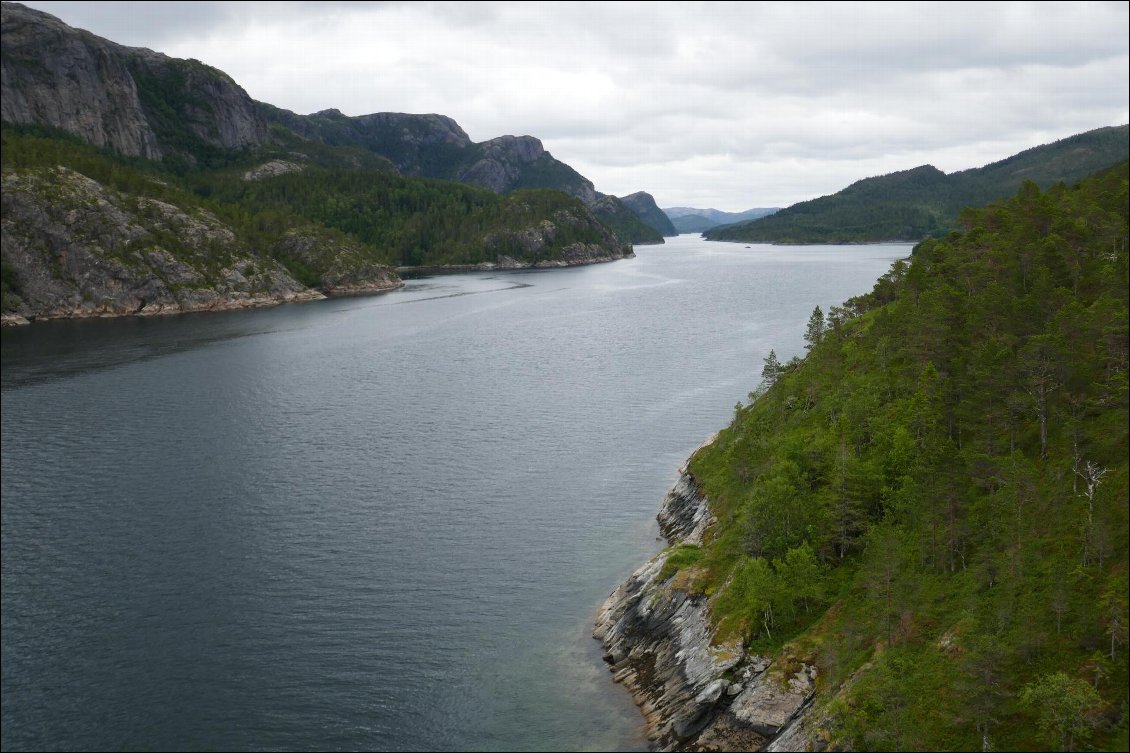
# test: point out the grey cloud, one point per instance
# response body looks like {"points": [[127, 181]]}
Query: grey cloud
{"points": [[726, 104]]}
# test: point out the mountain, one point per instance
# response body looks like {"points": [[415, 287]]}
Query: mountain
{"points": [[692, 220], [132, 100], [644, 206], [144, 104], [914, 204], [434, 146], [625, 222], [138, 183], [915, 537]]}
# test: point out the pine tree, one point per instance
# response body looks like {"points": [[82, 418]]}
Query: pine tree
{"points": [[772, 370], [815, 331]]}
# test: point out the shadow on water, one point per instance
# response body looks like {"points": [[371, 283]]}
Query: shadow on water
{"points": [[49, 351], [61, 349]]}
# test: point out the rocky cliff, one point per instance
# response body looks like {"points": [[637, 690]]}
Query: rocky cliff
{"points": [[697, 692], [132, 100], [73, 247]]}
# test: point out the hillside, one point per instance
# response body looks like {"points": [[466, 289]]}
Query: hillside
{"points": [[925, 202], [312, 221], [199, 202], [644, 206], [623, 221], [914, 538]]}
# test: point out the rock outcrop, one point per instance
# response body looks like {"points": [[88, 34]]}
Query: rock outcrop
{"points": [[697, 693], [272, 169], [129, 99], [75, 248], [342, 266]]}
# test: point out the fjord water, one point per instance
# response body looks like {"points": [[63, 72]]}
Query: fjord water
{"points": [[369, 523]]}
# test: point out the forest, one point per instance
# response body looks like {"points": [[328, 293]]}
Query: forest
{"points": [[931, 505], [345, 192], [910, 205]]}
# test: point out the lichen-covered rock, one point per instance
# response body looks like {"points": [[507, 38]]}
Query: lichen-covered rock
{"points": [[75, 248]]}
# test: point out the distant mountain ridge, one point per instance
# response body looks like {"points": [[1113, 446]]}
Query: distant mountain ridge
{"points": [[692, 220], [142, 103], [435, 146], [924, 201]]}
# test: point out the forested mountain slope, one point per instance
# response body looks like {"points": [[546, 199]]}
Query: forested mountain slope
{"points": [[928, 513], [913, 204]]}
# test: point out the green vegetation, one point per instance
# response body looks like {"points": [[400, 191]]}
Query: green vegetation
{"points": [[343, 195], [680, 558], [925, 202], [624, 222], [643, 206], [932, 504]]}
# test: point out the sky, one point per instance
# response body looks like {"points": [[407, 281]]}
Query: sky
{"points": [[723, 105]]}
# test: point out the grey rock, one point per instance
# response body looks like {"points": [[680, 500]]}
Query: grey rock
{"points": [[80, 249], [272, 169], [685, 514], [105, 93], [770, 701], [663, 646]]}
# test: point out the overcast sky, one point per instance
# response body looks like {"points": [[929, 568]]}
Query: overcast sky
{"points": [[719, 105]]}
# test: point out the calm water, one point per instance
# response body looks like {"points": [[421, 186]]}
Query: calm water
{"points": [[373, 523]]}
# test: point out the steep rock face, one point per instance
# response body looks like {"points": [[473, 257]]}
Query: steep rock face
{"points": [[685, 514], [696, 693], [132, 100], [75, 248], [51, 74], [644, 206]]}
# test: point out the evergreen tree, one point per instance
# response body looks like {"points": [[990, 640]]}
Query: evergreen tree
{"points": [[771, 371], [815, 331]]}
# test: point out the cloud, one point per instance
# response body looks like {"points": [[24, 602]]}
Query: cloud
{"points": [[730, 105]]}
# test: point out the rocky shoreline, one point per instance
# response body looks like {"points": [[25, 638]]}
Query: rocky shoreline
{"points": [[202, 306], [378, 285], [696, 694], [508, 263], [163, 309]]}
